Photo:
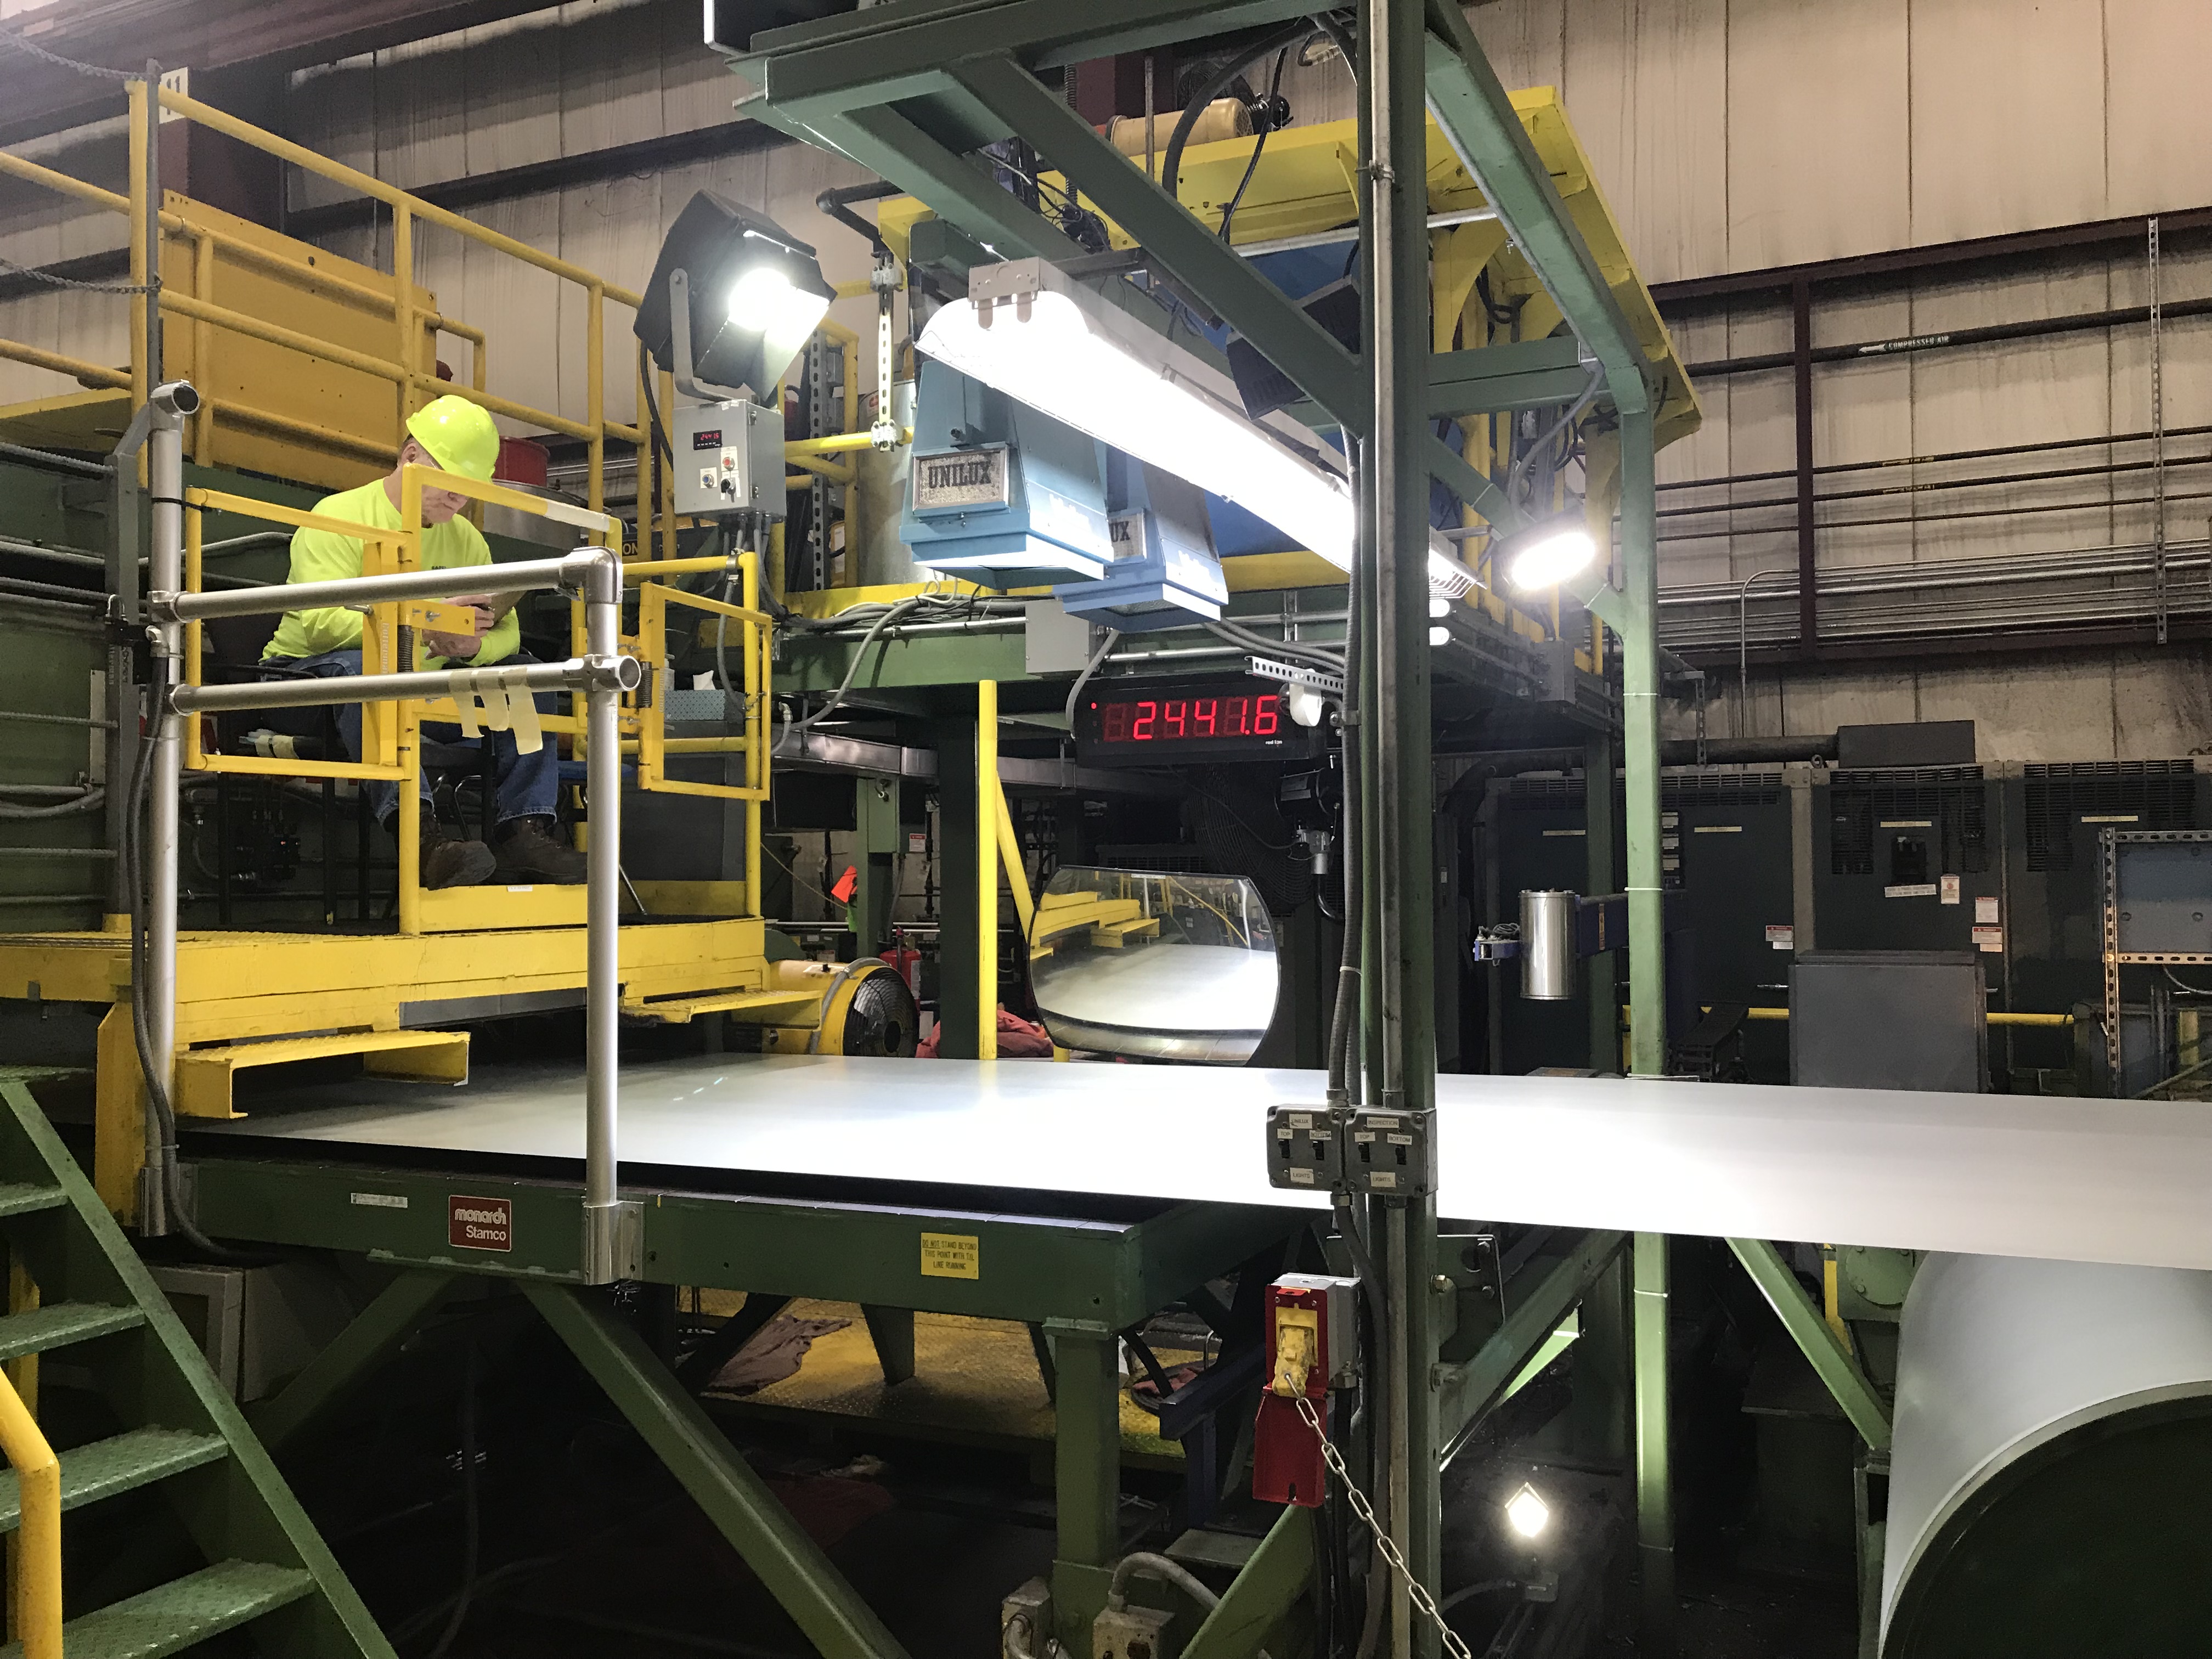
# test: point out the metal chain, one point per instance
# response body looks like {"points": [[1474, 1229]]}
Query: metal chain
{"points": [[1422, 1600], [52, 281], [11, 38]]}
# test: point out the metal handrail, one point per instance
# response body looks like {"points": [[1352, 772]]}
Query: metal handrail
{"points": [[37, 1610]]}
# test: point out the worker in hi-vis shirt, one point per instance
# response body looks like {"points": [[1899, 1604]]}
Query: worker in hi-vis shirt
{"points": [[454, 435]]}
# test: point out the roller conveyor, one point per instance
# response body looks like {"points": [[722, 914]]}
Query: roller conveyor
{"points": [[2080, 1179]]}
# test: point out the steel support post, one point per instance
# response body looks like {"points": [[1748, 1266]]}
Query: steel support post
{"points": [[611, 1247], [168, 407], [1086, 1473], [1602, 852], [875, 816], [1396, 355], [1639, 678], [736, 1499], [1654, 1499]]}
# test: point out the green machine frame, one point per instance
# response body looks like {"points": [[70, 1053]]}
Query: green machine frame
{"points": [[909, 89]]}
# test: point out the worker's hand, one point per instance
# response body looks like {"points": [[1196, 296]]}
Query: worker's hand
{"points": [[486, 609], [458, 647]]}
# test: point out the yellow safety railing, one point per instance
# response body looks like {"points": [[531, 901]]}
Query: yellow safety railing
{"points": [[37, 1611], [655, 745], [390, 732]]}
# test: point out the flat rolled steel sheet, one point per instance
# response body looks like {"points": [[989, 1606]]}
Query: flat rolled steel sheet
{"points": [[1998, 1175]]}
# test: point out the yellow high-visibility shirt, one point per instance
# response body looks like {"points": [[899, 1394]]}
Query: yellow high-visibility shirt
{"points": [[321, 556]]}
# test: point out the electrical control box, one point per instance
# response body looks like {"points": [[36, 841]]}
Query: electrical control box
{"points": [[1304, 1148], [1393, 1153], [729, 458]]}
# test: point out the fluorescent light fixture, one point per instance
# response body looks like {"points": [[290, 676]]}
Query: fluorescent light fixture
{"points": [[1527, 1512], [1033, 332], [1548, 554]]}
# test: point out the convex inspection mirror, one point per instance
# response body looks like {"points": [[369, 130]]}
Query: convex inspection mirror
{"points": [[1154, 967]]}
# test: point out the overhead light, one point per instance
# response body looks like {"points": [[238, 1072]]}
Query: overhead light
{"points": [[1527, 1512], [746, 293], [1545, 554], [1032, 332]]}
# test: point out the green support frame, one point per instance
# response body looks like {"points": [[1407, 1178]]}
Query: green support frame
{"points": [[738, 1501], [1468, 1392], [1839, 1370]]}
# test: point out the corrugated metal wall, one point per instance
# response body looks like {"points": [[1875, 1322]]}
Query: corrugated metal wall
{"points": [[1729, 134]]}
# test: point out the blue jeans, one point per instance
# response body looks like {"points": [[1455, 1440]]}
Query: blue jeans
{"points": [[529, 785]]}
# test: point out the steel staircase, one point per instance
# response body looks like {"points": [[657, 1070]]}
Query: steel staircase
{"points": [[268, 1567]]}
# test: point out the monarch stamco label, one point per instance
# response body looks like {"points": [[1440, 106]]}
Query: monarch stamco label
{"points": [[480, 1224], [960, 477]]}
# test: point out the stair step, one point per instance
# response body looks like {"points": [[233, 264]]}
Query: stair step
{"points": [[21, 1198], [173, 1617], [137, 1458], [62, 1324]]}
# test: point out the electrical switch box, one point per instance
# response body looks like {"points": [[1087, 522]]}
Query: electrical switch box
{"points": [[729, 458], [1132, 1631], [1393, 1154], [1312, 1348], [1304, 1149]]}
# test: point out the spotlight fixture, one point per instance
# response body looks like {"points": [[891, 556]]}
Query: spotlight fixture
{"points": [[732, 297], [1527, 1512], [1546, 554]]}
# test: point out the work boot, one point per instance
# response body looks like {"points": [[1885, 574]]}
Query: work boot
{"points": [[449, 863], [527, 854]]}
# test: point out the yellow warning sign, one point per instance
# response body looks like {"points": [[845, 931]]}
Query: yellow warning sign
{"points": [[952, 1255]]}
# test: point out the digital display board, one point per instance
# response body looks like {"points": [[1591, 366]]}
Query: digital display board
{"points": [[1155, 724]]}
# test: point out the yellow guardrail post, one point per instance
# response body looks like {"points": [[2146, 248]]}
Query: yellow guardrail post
{"points": [[595, 395], [987, 870], [756, 772], [37, 1602]]}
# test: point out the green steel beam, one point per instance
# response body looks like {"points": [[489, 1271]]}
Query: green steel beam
{"points": [[814, 663], [887, 144], [1477, 117], [396, 1313], [872, 54], [1835, 1364], [738, 1502], [1460, 476], [1263, 1592], [1468, 1392], [1258, 310], [1520, 374], [1654, 1496]]}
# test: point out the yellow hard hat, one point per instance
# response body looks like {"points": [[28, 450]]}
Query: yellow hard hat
{"points": [[459, 434]]}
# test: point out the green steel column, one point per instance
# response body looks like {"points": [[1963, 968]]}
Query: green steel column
{"points": [[955, 742], [1601, 849], [1086, 1475], [1639, 670], [1655, 1499], [875, 816]]}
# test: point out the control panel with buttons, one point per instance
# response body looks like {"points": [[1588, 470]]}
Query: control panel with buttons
{"points": [[729, 458]]}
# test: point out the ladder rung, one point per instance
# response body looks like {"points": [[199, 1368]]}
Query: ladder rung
{"points": [[136, 1458], [170, 1618], [62, 1324], [21, 1198]]}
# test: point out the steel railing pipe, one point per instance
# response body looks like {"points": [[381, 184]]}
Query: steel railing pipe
{"points": [[619, 674], [522, 576], [607, 1250]]}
